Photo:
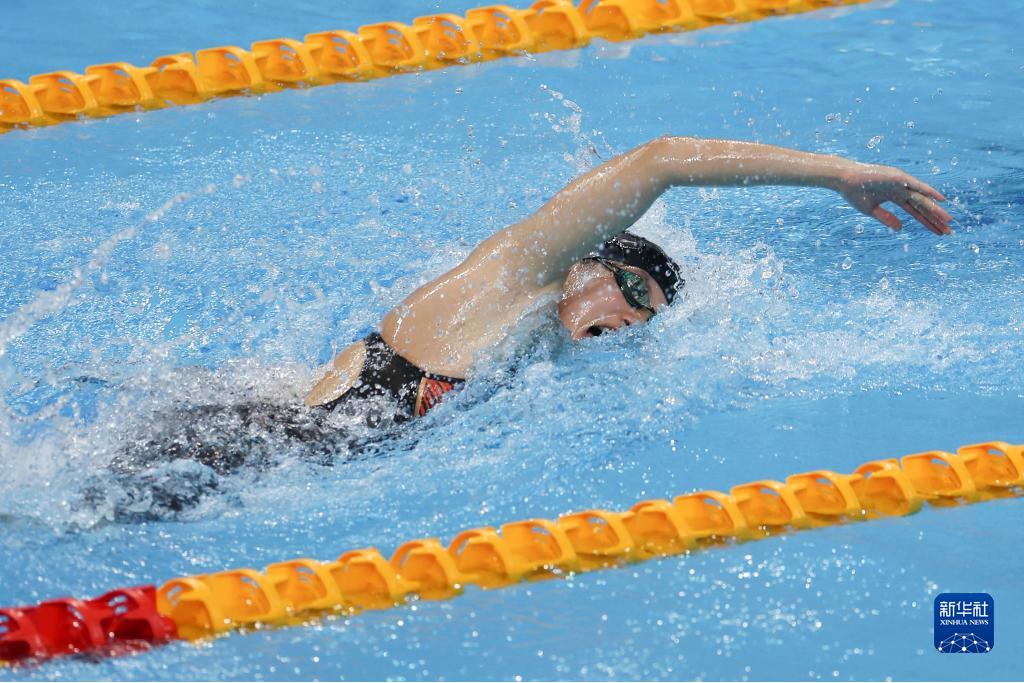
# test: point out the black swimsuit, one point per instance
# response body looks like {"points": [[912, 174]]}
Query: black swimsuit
{"points": [[386, 375], [390, 390], [253, 435]]}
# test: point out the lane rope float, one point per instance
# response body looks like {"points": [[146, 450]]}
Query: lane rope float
{"points": [[302, 590], [373, 51]]}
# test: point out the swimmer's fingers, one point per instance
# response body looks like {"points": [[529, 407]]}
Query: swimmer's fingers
{"points": [[915, 185], [930, 214], [887, 219], [927, 204], [927, 221]]}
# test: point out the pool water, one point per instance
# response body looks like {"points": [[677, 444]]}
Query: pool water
{"points": [[217, 253]]}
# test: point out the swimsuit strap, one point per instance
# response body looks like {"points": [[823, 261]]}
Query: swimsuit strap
{"points": [[389, 375]]}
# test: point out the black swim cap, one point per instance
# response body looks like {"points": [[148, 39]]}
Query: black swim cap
{"points": [[639, 252]]}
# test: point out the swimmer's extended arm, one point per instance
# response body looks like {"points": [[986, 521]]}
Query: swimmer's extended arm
{"points": [[442, 323], [691, 161], [613, 196]]}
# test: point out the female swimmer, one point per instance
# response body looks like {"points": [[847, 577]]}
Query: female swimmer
{"points": [[574, 251]]}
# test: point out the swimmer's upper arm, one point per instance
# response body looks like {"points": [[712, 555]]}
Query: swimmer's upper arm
{"points": [[586, 212], [440, 324]]}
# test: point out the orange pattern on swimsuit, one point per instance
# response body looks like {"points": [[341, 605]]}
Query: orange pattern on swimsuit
{"points": [[430, 393]]}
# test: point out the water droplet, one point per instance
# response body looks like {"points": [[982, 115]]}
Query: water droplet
{"points": [[847, 263], [874, 142]]}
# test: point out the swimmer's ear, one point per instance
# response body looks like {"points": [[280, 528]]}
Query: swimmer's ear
{"points": [[886, 218]]}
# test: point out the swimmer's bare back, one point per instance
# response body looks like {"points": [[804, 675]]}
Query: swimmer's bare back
{"points": [[443, 325]]}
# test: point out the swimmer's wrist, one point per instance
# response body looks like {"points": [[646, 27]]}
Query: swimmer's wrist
{"points": [[833, 177]]}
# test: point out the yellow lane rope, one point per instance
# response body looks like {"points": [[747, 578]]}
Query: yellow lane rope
{"points": [[384, 49], [298, 590], [301, 590]]}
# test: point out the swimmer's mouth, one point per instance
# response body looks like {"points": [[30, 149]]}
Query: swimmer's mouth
{"points": [[595, 331]]}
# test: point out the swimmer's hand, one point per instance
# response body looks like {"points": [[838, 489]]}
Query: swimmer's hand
{"points": [[867, 187]]}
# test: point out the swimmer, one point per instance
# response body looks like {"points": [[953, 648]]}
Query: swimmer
{"points": [[575, 250], [577, 247]]}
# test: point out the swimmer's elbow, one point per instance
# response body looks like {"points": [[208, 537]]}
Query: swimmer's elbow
{"points": [[673, 146], [665, 156]]}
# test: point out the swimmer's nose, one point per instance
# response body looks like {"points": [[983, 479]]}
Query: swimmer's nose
{"points": [[631, 317]]}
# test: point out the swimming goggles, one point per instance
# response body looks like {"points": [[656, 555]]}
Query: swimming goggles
{"points": [[633, 287]]}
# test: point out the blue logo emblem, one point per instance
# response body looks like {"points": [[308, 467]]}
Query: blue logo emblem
{"points": [[965, 623]]}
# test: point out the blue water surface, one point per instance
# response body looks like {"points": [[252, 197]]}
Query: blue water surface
{"points": [[216, 253]]}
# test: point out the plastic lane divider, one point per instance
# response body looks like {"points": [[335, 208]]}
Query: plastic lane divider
{"points": [[825, 493], [393, 46], [557, 25], [305, 586], [296, 591], [658, 528], [283, 60], [427, 569], [712, 515], [375, 50], [121, 85], [938, 474], [176, 79], [19, 104], [368, 581], [483, 558], [228, 69], [769, 504], [340, 55], [629, 19], [763, 8], [883, 488], [65, 93], [722, 11], [447, 38], [612, 19], [119, 621], [994, 464], [501, 29]]}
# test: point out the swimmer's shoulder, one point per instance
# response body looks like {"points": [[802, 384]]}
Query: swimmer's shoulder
{"points": [[342, 375]]}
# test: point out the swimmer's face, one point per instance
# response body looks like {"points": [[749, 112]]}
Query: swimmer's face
{"points": [[592, 303]]}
